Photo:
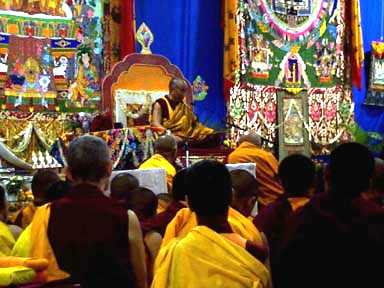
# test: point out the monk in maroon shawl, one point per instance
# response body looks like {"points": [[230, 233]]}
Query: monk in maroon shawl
{"points": [[337, 239]]}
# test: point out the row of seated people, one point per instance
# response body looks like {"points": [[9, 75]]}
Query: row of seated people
{"points": [[205, 236]]}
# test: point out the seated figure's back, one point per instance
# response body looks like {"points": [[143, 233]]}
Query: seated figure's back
{"points": [[88, 233]]}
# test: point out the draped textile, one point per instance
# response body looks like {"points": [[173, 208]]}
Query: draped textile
{"points": [[190, 35], [127, 28], [6, 240], [185, 220], [25, 216], [231, 45], [266, 170], [34, 242], [356, 51], [186, 263], [158, 161], [183, 123]]}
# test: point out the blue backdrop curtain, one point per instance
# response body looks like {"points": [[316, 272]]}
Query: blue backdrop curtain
{"points": [[368, 117], [189, 34]]}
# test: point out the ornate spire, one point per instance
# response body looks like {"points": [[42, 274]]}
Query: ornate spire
{"points": [[145, 37]]}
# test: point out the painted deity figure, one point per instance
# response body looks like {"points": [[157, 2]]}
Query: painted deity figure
{"points": [[293, 69], [35, 81], [87, 80]]}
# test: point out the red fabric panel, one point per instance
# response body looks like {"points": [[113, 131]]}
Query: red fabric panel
{"points": [[127, 29]]}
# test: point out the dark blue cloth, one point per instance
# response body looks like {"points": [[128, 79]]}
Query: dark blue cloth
{"points": [[369, 118], [190, 35]]}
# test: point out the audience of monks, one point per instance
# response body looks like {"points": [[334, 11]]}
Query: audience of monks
{"points": [[206, 232]]}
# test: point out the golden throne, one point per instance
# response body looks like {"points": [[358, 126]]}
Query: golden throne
{"points": [[137, 81]]}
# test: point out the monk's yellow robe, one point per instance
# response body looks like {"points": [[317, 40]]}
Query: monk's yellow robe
{"points": [[158, 161], [34, 243], [183, 123], [266, 170], [185, 220], [24, 218], [7, 241], [205, 258]]}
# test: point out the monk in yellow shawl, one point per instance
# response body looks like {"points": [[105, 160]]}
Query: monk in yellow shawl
{"points": [[164, 157], [42, 181], [171, 113], [86, 236], [211, 254], [250, 151]]}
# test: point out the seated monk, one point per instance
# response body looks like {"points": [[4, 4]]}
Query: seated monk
{"points": [[185, 220], [164, 157], [41, 182], [297, 175], [211, 254], [250, 151], [121, 185], [178, 201], [338, 238], [245, 191], [87, 237], [144, 202], [171, 113]]}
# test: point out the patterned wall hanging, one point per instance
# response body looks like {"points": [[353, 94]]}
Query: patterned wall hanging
{"points": [[58, 66], [296, 46]]}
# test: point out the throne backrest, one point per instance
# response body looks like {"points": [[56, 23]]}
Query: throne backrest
{"points": [[135, 83]]}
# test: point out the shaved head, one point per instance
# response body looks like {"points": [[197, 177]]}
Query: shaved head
{"points": [[177, 89], [165, 144], [177, 83], [251, 137]]}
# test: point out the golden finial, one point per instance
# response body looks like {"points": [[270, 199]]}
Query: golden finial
{"points": [[145, 37]]}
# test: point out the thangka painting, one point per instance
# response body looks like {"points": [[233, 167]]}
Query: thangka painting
{"points": [[295, 43], [293, 128], [50, 55], [293, 46], [375, 95]]}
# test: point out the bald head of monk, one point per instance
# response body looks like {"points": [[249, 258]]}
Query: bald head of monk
{"points": [[167, 147], [177, 89], [245, 191], [252, 138]]}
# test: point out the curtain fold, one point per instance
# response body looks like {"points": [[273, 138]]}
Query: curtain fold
{"points": [[127, 27], [356, 51], [231, 45]]}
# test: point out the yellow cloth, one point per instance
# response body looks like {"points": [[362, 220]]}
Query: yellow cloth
{"points": [[266, 170], [185, 220], [183, 123], [158, 161], [207, 259], [34, 243], [231, 41], [16, 276], [7, 241], [356, 43], [26, 215], [297, 202], [37, 265]]}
